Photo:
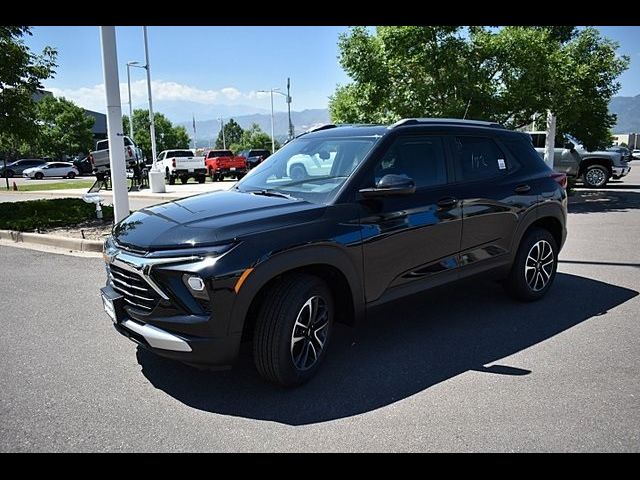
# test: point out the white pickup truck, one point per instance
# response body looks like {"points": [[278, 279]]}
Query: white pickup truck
{"points": [[182, 164]]}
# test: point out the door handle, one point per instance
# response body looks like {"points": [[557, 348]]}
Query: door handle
{"points": [[522, 188], [447, 202]]}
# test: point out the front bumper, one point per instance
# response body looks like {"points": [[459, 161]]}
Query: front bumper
{"points": [[620, 171]]}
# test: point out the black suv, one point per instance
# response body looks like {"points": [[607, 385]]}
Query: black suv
{"points": [[383, 212], [255, 156]]}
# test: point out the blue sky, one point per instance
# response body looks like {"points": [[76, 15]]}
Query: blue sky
{"points": [[213, 69]]}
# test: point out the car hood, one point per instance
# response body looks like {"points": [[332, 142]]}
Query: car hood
{"points": [[210, 218], [31, 170]]}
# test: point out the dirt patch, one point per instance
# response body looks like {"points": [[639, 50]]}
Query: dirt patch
{"points": [[90, 230]]}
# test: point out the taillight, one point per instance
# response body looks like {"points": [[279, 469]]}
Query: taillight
{"points": [[173, 162], [560, 178], [129, 152]]}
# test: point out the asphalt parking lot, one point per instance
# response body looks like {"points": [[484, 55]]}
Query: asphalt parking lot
{"points": [[460, 368]]}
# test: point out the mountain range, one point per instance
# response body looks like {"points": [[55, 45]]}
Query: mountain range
{"points": [[207, 130], [626, 108]]}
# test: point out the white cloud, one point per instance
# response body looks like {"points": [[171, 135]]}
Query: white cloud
{"points": [[93, 98]]}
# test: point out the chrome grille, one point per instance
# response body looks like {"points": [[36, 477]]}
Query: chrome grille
{"points": [[135, 290]]}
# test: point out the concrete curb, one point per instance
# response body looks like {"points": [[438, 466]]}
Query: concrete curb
{"points": [[70, 243], [58, 194]]}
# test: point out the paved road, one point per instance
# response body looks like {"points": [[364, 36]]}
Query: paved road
{"points": [[460, 368]]}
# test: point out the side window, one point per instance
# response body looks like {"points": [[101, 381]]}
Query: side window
{"points": [[478, 158], [421, 158], [538, 140], [161, 156]]}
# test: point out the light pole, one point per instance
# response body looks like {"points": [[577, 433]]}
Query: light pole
{"points": [[271, 92], [156, 177], [129, 65], [224, 143], [291, 132]]}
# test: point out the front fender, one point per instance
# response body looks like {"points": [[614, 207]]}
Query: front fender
{"points": [[291, 259]]}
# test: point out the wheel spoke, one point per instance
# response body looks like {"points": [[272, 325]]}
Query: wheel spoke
{"points": [[310, 331]]}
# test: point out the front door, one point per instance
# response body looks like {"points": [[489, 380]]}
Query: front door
{"points": [[410, 239]]}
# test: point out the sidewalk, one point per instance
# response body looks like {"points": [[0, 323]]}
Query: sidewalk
{"points": [[172, 191]]}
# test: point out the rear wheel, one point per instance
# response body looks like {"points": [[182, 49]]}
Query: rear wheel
{"points": [[202, 178], [10, 174], [293, 329], [534, 267], [38, 176], [71, 175], [596, 176], [184, 179], [172, 179]]}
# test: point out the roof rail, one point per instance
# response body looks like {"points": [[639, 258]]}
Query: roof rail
{"points": [[452, 121], [326, 126]]}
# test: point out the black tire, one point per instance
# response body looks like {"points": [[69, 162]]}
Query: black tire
{"points": [[297, 172], [277, 357], [38, 176], [202, 178], [10, 174], [184, 179], [531, 278], [71, 175], [595, 176], [172, 179]]}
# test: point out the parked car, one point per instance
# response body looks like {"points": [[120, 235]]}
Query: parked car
{"points": [[223, 163], [278, 261], [570, 157], [182, 164], [83, 165], [51, 169], [100, 160], [19, 166], [635, 154], [624, 151], [255, 156]]}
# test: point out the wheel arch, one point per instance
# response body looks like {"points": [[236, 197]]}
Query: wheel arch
{"points": [[587, 162], [330, 263], [550, 216]]}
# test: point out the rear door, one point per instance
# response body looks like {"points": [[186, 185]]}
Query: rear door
{"points": [[492, 196], [408, 240]]}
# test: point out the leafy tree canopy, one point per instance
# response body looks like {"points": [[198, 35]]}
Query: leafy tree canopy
{"points": [[232, 134], [253, 137], [64, 128], [168, 136], [506, 75]]}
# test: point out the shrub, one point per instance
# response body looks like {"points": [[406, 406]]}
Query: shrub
{"points": [[34, 215]]}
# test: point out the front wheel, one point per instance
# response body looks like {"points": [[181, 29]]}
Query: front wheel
{"points": [[292, 330], [596, 176], [534, 267], [9, 174], [38, 176]]}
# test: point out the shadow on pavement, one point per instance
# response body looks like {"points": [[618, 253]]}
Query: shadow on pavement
{"points": [[594, 201], [404, 348]]}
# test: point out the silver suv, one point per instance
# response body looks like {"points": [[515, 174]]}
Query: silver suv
{"points": [[594, 168]]}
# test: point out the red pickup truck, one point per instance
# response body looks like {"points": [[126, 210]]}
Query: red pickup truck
{"points": [[223, 163]]}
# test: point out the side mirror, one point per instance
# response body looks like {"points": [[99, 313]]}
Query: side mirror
{"points": [[569, 145], [390, 186]]}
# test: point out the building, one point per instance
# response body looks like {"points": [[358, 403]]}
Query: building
{"points": [[632, 140], [99, 128]]}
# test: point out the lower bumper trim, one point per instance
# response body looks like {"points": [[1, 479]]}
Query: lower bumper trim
{"points": [[157, 338]]}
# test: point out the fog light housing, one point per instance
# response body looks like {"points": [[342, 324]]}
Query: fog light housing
{"points": [[196, 286]]}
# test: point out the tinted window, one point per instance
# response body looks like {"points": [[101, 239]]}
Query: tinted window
{"points": [[102, 144], [220, 153], [478, 158], [420, 158], [180, 153], [538, 140]]}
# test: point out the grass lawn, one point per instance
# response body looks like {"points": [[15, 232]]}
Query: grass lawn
{"points": [[39, 186], [41, 214]]}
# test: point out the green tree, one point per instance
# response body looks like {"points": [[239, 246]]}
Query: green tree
{"points": [[64, 128], [253, 137], [167, 135], [232, 134], [21, 75], [506, 75]]}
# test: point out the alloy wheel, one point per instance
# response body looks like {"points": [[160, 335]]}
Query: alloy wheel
{"points": [[309, 334], [538, 267], [596, 177]]}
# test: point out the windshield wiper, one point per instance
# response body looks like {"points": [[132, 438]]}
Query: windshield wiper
{"points": [[271, 193]]}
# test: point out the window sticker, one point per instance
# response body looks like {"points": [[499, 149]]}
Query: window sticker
{"points": [[501, 164]]}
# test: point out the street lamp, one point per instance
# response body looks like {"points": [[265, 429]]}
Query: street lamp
{"points": [[271, 92], [224, 143], [131, 64]]}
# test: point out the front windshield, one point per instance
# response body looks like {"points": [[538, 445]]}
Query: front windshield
{"points": [[309, 168]]}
